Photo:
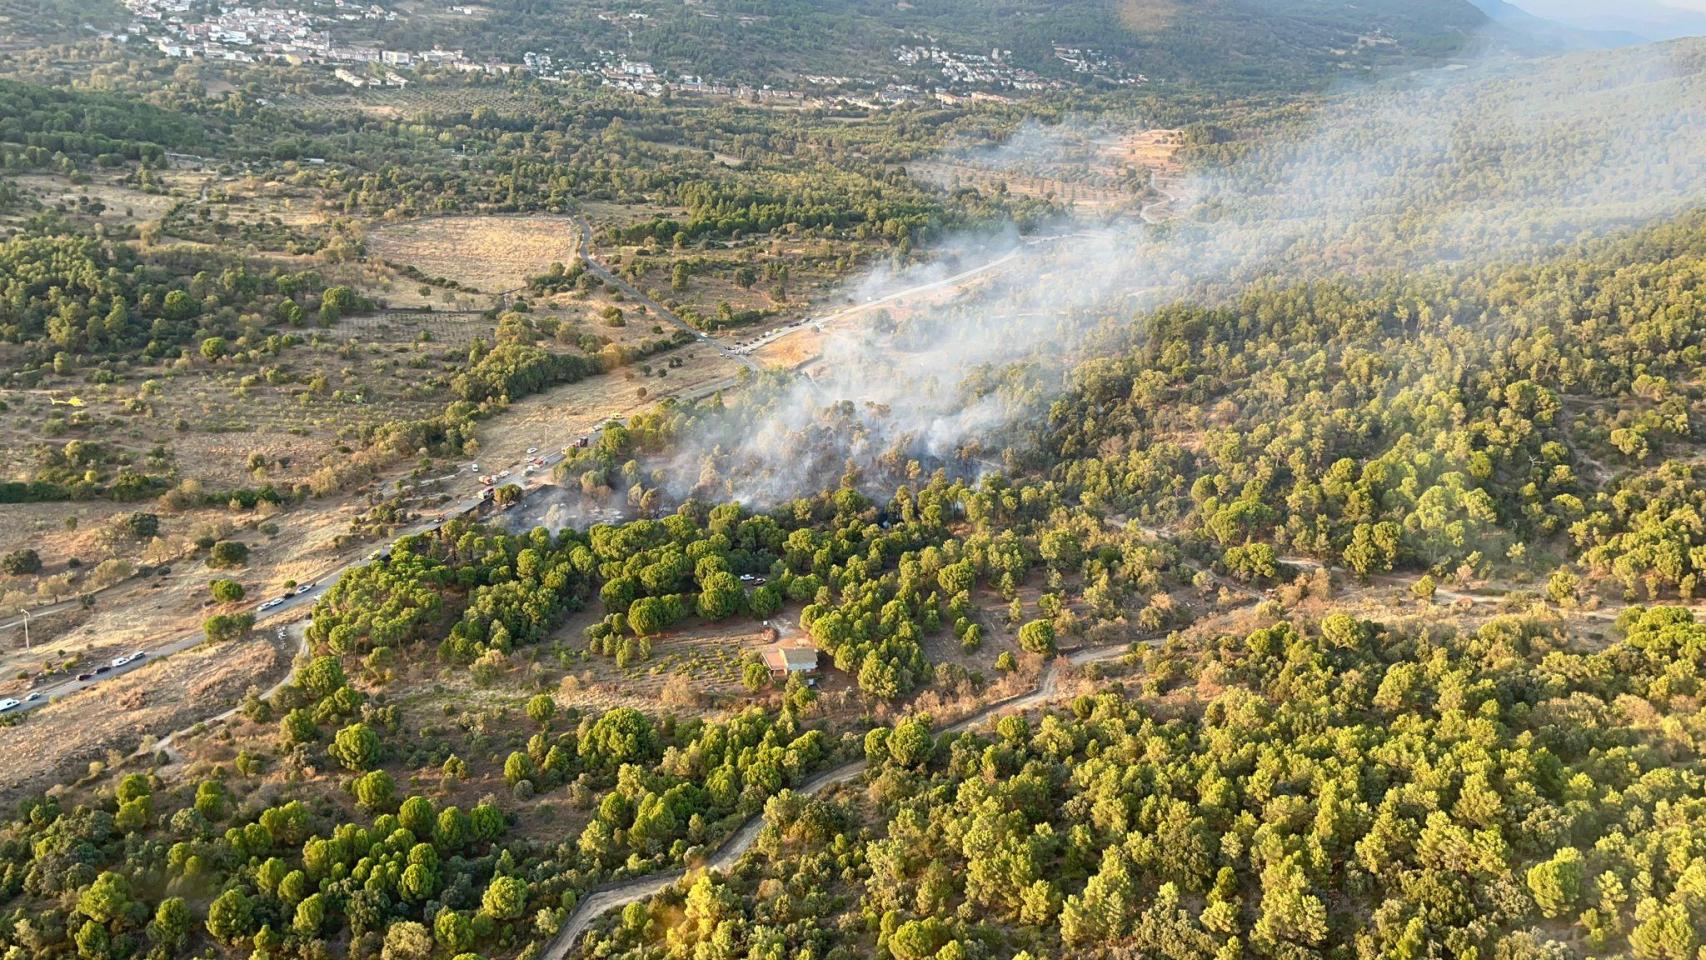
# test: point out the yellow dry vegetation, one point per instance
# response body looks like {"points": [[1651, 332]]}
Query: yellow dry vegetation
{"points": [[120, 204], [1148, 16], [489, 254], [109, 722], [1154, 149]]}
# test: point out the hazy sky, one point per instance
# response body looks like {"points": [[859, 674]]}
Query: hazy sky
{"points": [[1605, 8], [1646, 17]]}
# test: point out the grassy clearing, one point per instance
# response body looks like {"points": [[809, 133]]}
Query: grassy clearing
{"points": [[488, 254], [1148, 16], [101, 200]]}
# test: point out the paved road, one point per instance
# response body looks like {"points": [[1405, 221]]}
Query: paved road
{"points": [[468, 504], [605, 899], [475, 501], [471, 503], [53, 691]]}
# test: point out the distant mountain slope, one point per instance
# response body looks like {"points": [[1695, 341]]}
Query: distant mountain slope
{"points": [[1645, 19], [1510, 155], [1550, 33]]}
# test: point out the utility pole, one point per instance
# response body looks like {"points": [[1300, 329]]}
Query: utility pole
{"points": [[26, 612]]}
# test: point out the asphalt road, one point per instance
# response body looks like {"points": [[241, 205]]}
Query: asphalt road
{"points": [[530, 484], [475, 501]]}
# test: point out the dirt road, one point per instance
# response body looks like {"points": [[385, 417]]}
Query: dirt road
{"points": [[636, 294], [605, 899]]}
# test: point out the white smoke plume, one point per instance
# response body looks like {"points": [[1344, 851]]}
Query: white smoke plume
{"points": [[1501, 159]]}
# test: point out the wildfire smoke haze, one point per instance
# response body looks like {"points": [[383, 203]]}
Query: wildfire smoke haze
{"points": [[1442, 171]]}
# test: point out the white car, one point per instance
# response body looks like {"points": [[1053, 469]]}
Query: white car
{"points": [[7, 704], [532, 450], [121, 661], [274, 602]]}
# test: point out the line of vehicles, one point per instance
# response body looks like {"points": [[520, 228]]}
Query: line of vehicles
{"points": [[533, 463], [278, 601], [12, 703], [745, 347]]}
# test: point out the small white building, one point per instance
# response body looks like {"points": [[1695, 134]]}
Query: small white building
{"points": [[785, 661]]}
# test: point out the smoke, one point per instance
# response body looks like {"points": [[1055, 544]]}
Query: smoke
{"points": [[953, 364], [557, 508]]}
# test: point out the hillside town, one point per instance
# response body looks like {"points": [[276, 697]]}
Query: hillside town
{"points": [[244, 34]]}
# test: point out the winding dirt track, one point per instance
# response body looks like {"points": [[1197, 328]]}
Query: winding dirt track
{"points": [[174, 755], [617, 895]]}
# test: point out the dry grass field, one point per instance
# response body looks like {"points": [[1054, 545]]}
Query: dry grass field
{"points": [[1090, 170], [553, 419], [406, 326], [1149, 16], [130, 711], [488, 254], [693, 670], [391, 102], [204, 420], [1087, 192], [1155, 149], [116, 203], [603, 213]]}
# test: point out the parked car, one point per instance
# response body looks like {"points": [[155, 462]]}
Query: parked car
{"points": [[85, 676], [32, 696], [275, 601], [7, 704], [102, 669]]}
